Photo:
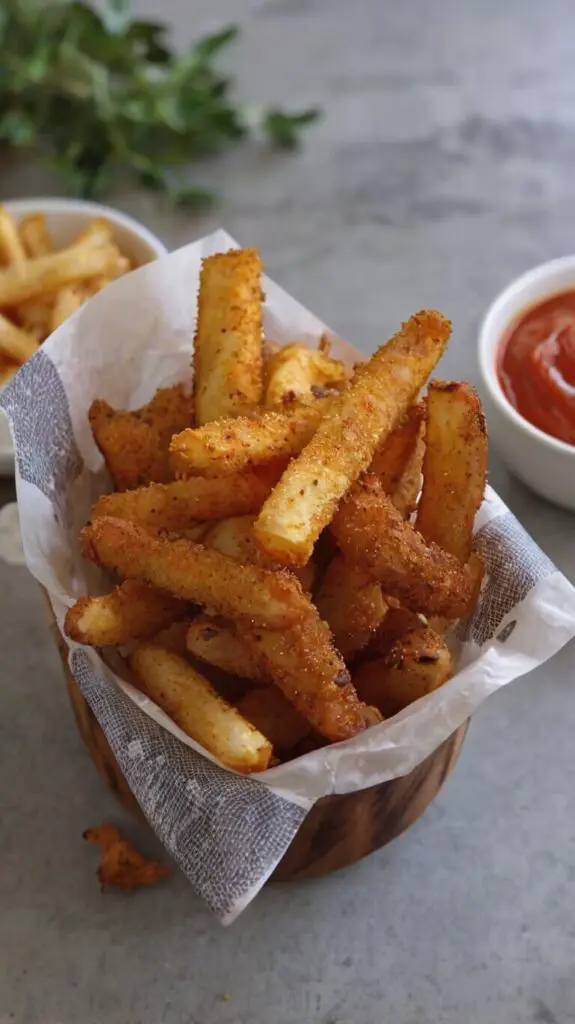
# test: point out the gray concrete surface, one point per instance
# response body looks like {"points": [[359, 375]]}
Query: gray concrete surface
{"points": [[443, 167]]}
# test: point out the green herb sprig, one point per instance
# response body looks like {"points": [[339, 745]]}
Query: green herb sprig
{"points": [[102, 95]]}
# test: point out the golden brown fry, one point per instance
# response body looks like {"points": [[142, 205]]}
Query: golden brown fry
{"points": [[34, 235], [34, 315], [295, 369], [306, 667], [67, 300], [193, 704], [357, 423], [122, 865], [374, 536], [414, 661], [454, 467], [228, 342], [408, 488], [195, 573], [352, 605], [11, 248], [132, 611], [178, 505], [20, 282], [227, 446], [7, 370], [234, 537], [135, 444], [390, 461], [214, 641], [15, 343], [270, 712]]}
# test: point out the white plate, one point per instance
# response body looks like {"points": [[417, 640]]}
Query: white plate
{"points": [[66, 218]]}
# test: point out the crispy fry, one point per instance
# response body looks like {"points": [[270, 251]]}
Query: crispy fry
{"points": [[408, 488], [178, 505], [234, 537], [195, 573], [270, 712], [193, 704], [454, 467], [306, 667], [227, 446], [135, 444], [15, 343], [11, 248], [214, 641], [34, 315], [68, 299], [295, 369], [357, 423], [374, 536], [228, 342], [390, 461], [352, 605], [133, 611], [19, 282], [122, 865], [7, 369], [414, 661], [34, 235]]}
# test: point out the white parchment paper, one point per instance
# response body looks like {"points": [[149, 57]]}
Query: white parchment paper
{"points": [[132, 338]]}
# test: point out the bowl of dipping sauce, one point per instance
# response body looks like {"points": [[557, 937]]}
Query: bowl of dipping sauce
{"points": [[527, 362]]}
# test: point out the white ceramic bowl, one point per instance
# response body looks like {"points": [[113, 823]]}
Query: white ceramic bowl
{"points": [[66, 219], [544, 463]]}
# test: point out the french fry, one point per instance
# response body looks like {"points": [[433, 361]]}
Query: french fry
{"points": [[121, 865], [11, 248], [408, 488], [132, 611], [195, 574], [15, 343], [135, 444], [306, 667], [357, 423], [273, 715], [34, 235], [7, 369], [234, 537], [178, 505], [68, 299], [454, 467], [352, 605], [44, 274], [390, 461], [214, 641], [416, 662], [228, 342], [34, 316], [374, 536], [226, 446], [193, 704], [295, 369]]}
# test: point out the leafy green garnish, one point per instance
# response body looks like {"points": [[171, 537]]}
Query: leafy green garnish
{"points": [[101, 96]]}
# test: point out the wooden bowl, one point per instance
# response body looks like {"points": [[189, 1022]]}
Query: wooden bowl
{"points": [[338, 830]]}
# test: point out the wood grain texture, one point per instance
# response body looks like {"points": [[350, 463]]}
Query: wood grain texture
{"points": [[338, 831]]}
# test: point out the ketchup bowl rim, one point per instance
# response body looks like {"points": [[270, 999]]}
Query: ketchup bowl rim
{"points": [[508, 305]]}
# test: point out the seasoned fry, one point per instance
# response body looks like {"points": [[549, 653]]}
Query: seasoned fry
{"points": [[352, 605], [11, 248], [270, 712], [357, 423], [7, 369], [66, 302], [454, 467], [213, 640], [374, 536], [234, 537], [306, 667], [19, 282], [408, 488], [295, 369], [34, 235], [178, 505], [195, 573], [228, 342], [227, 446], [15, 343], [193, 704], [34, 315], [414, 661], [132, 611], [135, 444], [390, 461], [121, 865]]}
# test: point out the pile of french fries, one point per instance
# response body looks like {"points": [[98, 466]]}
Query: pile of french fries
{"points": [[41, 287], [293, 539]]}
